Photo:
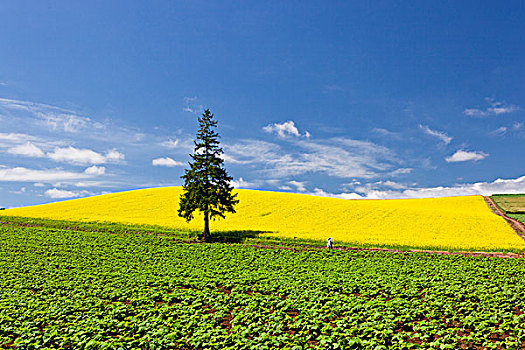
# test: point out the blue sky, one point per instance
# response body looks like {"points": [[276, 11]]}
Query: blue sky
{"points": [[355, 99]]}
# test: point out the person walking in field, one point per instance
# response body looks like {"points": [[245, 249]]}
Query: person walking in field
{"points": [[329, 244]]}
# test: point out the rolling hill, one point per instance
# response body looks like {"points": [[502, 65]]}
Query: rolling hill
{"points": [[438, 223]]}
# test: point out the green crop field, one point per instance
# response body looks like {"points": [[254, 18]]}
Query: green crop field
{"points": [[510, 203], [513, 205], [520, 217], [80, 288]]}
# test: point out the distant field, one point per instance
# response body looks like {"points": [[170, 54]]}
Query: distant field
{"points": [[454, 223], [511, 204]]}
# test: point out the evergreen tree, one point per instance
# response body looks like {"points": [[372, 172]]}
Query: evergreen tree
{"points": [[207, 185]]}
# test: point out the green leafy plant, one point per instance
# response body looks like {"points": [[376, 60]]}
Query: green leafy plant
{"points": [[83, 288]]}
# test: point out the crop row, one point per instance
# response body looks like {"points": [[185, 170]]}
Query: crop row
{"points": [[91, 290]]}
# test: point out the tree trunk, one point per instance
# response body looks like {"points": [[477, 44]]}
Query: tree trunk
{"points": [[206, 235]]}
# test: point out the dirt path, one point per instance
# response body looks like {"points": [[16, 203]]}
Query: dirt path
{"points": [[516, 225], [430, 252]]}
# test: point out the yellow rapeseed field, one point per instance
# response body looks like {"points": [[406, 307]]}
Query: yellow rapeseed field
{"points": [[453, 222]]}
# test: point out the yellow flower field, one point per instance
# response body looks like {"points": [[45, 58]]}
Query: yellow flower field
{"points": [[453, 222]]}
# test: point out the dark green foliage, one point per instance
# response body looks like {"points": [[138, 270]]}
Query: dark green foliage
{"points": [[90, 290], [207, 185]]}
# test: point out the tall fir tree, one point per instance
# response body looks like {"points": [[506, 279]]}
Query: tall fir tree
{"points": [[207, 186]]}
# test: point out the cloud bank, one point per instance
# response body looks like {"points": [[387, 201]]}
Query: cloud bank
{"points": [[498, 186]]}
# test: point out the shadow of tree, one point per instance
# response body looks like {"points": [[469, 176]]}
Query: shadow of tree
{"points": [[234, 236]]}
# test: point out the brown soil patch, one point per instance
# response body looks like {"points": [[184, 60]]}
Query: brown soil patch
{"points": [[226, 322], [516, 225], [11, 344], [208, 309], [224, 290], [293, 313]]}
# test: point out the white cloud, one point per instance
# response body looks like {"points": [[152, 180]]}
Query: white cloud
{"points": [[90, 183], [517, 126], [285, 129], [55, 118], [499, 131], [23, 105], [321, 193], [20, 191], [503, 110], [496, 108], [181, 145], [388, 133], [479, 188], [463, 156], [62, 194], [86, 184], [114, 156], [440, 135], [401, 171], [343, 158], [14, 137], [504, 130], [474, 112], [392, 184], [191, 105], [27, 149], [20, 174], [166, 162], [241, 183], [170, 143], [38, 184], [70, 123], [338, 157], [95, 170], [78, 156], [63, 124], [299, 185], [69, 137], [374, 186], [252, 151]]}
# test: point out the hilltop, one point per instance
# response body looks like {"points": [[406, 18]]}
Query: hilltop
{"points": [[440, 223]]}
